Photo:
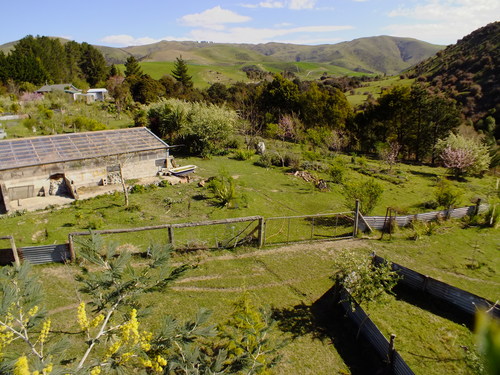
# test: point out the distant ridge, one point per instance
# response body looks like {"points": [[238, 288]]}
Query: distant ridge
{"points": [[377, 55]]}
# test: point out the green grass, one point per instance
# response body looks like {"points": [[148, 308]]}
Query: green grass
{"points": [[375, 88]]}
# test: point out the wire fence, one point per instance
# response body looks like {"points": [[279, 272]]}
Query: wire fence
{"points": [[330, 226]]}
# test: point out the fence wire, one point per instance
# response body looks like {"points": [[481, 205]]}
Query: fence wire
{"points": [[308, 227]]}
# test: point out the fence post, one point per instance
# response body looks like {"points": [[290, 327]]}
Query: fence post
{"points": [[390, 354], [14, 251], [356, 219], [171, 236], [262, 231], [478, 204], [71, 248]]}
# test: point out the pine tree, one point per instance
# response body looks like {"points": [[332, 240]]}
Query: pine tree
{"points": [[132, 67], [180, 73]]}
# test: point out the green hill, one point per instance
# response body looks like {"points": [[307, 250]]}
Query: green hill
{"points": [[469, 71], [376, 55]]}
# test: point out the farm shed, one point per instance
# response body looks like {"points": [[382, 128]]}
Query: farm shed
{"points": [[59, 164], [99, 94], [64, 87]]}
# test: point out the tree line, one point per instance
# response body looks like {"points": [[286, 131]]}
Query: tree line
{"points": [[39, 60]]}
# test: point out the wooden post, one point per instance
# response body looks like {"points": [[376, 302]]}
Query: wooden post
{"points": [[171, 236], [478, 204], [312, 228], [262, 232], [14, 251], [356, 219], [390, 354], [71, 247]]}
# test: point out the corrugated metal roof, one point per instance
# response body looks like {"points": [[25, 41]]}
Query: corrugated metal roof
{"points": [[23, 152]]}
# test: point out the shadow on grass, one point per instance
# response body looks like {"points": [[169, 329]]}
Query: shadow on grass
{"points": [[433, 305], [424, 174], [325, 321]]}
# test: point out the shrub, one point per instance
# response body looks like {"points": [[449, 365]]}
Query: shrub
{"points": [[291, 160], [336, 172], [446, 194], [242, 154], [268, 160], [223, 190], [368, 192], [364, 281], [137, 189], [313, 166]]}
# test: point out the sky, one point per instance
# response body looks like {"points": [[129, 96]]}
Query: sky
{"points": [[125, 23]]}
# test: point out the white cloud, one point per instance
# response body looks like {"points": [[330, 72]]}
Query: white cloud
{"points": [[290, 4], [266, 4], [128, 40], [214, 18], [444, 21], [302, 4]]}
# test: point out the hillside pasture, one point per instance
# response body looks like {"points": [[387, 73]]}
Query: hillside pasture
{"points": [[230, 73]]}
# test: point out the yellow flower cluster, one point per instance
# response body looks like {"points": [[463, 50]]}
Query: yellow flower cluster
{"points": [[157, 364], [21, 367], [44, 333], [82, 317], [96, 321], [46, 371], [130, 330], [33, 311], [6, 337], [95, 371]]}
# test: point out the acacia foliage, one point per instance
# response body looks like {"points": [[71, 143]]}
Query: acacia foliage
{"points": [[202, 128]]}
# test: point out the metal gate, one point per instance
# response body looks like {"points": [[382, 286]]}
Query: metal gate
{"points": [[308, 228]]}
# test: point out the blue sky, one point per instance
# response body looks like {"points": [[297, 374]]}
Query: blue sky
{"points": [[123, 23]]}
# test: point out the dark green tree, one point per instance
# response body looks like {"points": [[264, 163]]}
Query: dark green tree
{"points": [[73, 52], [180, 73], [93, 65], [113, 71], [132, 67], [279, 97], [146, 90]]}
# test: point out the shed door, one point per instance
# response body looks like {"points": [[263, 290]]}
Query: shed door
{"points": [[21, 192]]}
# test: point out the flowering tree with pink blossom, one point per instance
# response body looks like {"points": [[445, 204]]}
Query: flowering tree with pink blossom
{"points": [[464, 155]]}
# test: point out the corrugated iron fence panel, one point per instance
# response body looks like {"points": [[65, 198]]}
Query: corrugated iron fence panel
{"points": [[373, 336], [379, 222], [45, 254], [467, 302]]}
